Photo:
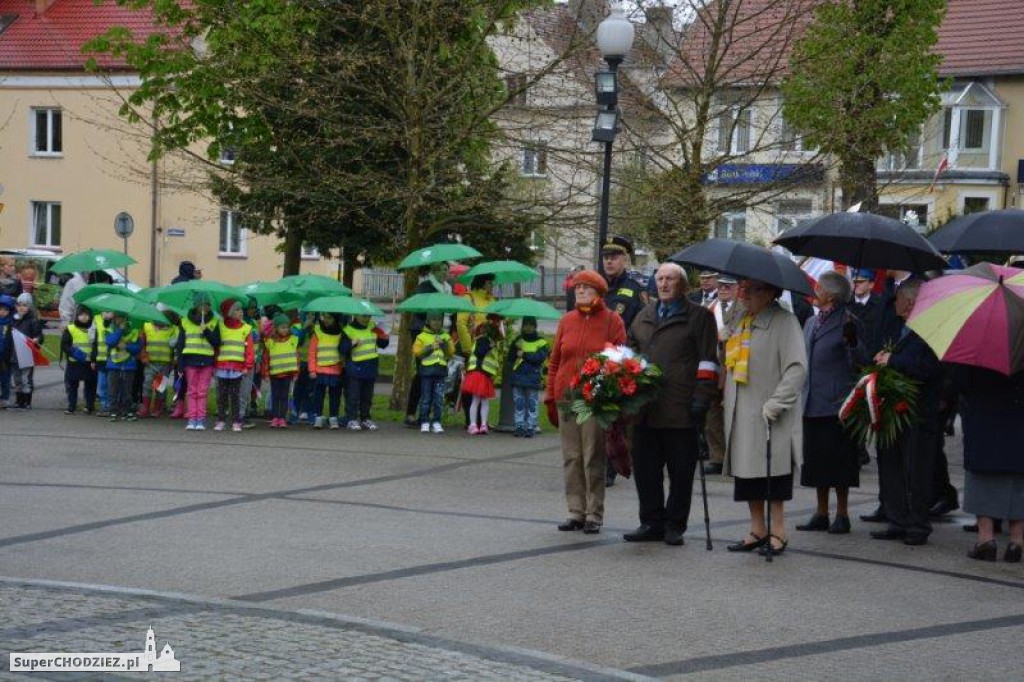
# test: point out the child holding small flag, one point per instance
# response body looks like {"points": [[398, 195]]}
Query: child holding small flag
{"points": [[24, 366], [158, 342]]}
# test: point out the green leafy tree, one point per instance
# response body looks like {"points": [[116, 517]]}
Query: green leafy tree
{"points": [[864, 80]]}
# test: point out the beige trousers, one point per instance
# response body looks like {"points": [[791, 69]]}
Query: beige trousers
{"points": [[584, 461], [714, 433]]}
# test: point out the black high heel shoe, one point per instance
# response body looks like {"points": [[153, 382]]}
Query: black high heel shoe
{"points": [[1013, 553], [744, 546], [984, 551], [775, 550]]}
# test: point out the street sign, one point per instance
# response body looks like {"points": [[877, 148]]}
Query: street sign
{"points": [[175, 232], [124, 225]]}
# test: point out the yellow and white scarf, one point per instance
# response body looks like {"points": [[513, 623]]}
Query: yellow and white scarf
{"points": [[737, 351]]}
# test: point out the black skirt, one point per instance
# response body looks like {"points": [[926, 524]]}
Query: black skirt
{"points": [[831, 459], [746, 489]]}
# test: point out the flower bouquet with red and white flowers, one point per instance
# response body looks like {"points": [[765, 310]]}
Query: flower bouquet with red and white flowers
{"points": [[880, 406], [611, 386]]}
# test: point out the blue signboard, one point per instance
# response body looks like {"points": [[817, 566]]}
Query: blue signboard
{"points": [[175, 232], [762, 174]]}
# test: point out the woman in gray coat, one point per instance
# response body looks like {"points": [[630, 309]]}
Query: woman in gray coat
{"points": [[767, 366], [836, 351]]}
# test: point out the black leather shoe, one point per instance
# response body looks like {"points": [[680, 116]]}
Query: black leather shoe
{"points": [[1013, 553], [816, 522], [571, 524], [915, 540], [841, 526], [645, 533], [984, 551], [673, 537], [943, 507], [763, 550], [877, 516], [744, 546], [591, 527], [889, 534], [609, 480], [712, 469]]}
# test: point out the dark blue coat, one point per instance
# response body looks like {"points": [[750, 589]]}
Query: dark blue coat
{"points": [[832, 365], [529, 373], [992, 414], [915, 358]]}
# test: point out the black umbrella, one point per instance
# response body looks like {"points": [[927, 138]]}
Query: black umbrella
{"points": [[863, 240], [746, 260], [985, 232]]}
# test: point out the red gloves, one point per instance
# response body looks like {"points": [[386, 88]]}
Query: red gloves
{"points": [[552, 409]]}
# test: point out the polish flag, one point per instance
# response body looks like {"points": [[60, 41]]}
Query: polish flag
{"points": [[943, 167], [27, 351], [160, 383]]}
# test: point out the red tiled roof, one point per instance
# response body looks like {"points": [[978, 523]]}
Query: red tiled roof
{"points": [[53, 41], [982, 38]]}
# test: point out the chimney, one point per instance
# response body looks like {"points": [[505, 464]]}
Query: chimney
{"points": [[657, 31], [42, 6], [588, 13]]}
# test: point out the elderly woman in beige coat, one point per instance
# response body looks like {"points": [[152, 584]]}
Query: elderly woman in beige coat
{"points": [[766, 361]]}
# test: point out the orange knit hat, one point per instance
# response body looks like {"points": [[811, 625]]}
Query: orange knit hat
{"points": [[591, 278]]}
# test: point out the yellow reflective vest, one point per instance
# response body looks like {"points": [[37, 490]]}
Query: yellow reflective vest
{"points": [[195, 342], [283, 355], [364, 344], [528, 347], [159, 342], [232, 343], [327, 353], [490, 363], [81, 340], [437, 356], [102, 352]]}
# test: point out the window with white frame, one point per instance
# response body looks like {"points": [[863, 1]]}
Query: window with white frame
{"points": [[47, 132], [732, 226], [232, 234], [534, 160], [734, 130], [310, 252], [790, 212], [46, 224]]}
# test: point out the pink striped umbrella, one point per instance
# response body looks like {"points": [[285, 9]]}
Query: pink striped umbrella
{"points": [[974, 317]]}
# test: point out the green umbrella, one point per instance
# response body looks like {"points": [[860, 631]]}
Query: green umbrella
{"points": [[436, 303], [438, 253], [183, 294], [92, 260], [267, 293], [523, 307], [129, 306], [320, 285], [91, 290], [504, 271], [342, 305]]}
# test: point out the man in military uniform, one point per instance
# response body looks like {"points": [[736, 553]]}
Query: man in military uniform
{"points": [[707, 293], [625, 295]]}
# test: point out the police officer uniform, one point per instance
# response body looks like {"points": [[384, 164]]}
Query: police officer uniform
{"points": [[624, 292]]}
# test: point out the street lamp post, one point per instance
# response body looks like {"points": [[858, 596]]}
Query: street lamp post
{"points": [[614, 40]]}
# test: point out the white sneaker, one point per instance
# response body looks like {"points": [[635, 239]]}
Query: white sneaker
{"points": [[303, 416], [191, 426], [219, 426], [353, 426], [319, 423], [200, 425], [438, 428], [368, 425], [424, 428]]}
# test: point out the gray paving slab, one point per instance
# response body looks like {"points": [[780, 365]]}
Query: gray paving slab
{"points": [[453, 538]]}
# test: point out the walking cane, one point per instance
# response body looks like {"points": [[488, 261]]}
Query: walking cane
{"points": [[768, 491], [703, 454]]}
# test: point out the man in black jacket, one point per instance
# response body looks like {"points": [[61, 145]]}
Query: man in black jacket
{"points": [[906, 466]]}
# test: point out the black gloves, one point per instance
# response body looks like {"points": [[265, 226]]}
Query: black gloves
{"points": [[699, 409]]}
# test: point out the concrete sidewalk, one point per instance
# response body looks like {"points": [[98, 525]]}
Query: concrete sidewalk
{"points": [[447, 544]]}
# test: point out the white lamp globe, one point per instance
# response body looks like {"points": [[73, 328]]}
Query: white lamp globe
{"points": [[615, 33]]}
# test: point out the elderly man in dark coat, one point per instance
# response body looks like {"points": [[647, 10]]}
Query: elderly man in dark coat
{"points": [[906, 467], [681, 338]]}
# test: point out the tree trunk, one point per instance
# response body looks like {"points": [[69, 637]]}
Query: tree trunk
{"points": [[859, 180], [292, 253], [349, 263]]}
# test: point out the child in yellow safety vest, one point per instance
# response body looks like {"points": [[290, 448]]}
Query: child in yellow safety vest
{"points": [[530, 352], [484, 363], [280, 365], [235, 357], [197, 347], [432, 349], [324, 362], [359, 346], [78, 345], [158, 342]]}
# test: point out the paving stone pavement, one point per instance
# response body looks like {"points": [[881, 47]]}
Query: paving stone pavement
{"points": [[327, 555]]}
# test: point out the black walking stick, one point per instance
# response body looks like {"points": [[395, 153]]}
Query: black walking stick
{"points": [[703, 454], [768, 491]]}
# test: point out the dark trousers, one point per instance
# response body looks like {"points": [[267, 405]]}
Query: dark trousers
{"points": [[942, 488], [137, 385], [329, 386], [906, 469], [279, 390], [431, 398], [121, 382], [358, 398], [655, 450], [303, 392], [229, 403], [75, 374]]}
